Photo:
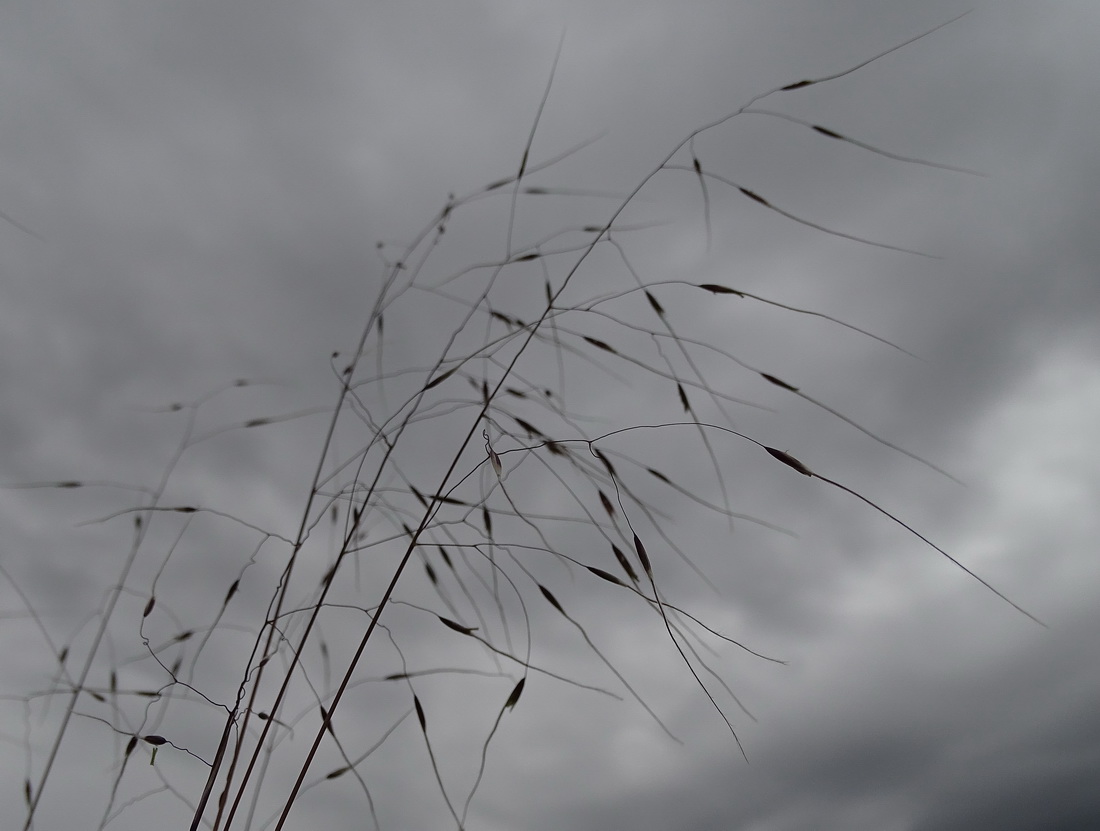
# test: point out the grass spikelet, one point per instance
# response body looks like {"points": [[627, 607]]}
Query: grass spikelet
{"points": [[773, 380], [657, 307], [439, 379], [789, 460], [683, 397], [553, 601], [714, 288], [458, 627], [624, 563], [606, 503], [513, 697], [643, 557], [605, 575], [420, 714], [599, 344]]}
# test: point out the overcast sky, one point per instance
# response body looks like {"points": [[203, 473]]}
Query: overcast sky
{"points": [[195, 194]]}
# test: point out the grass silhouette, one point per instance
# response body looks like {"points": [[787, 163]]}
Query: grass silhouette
{"points": [[457, 496]]}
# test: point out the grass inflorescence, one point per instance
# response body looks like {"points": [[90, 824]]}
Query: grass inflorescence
{"points": [[456, 501]]}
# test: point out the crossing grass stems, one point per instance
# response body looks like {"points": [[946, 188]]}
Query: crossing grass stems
{"points": [[453, 540]]}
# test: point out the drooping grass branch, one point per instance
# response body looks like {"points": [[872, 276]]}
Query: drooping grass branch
{"points": [[467, 477]]}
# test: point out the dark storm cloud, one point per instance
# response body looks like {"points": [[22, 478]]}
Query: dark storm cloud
{"points": [[209, 181]]}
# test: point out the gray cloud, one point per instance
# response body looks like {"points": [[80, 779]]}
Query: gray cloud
{"points": [[209, 183]]}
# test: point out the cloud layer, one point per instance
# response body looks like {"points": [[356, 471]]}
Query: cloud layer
{"points": [[202, 193]]}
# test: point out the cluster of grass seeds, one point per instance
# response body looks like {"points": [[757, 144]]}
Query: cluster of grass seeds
{"points": [[456, 497]]}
